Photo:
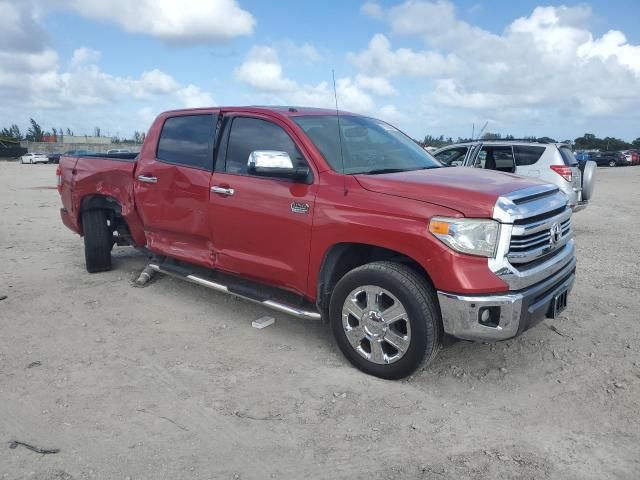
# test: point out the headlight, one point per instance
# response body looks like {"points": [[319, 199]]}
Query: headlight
{"points": [[467, 235]]}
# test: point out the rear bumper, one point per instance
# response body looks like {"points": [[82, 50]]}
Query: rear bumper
{"points": [[69, 221], [514, 312]]}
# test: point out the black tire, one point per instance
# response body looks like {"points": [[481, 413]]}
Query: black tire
{"points": [[419, 300], [97, 241]]}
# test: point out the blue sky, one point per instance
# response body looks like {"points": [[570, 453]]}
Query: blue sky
{"points": [[430, 67]]}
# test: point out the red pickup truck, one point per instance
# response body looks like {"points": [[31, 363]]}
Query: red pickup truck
{"points": [[335, 217]]}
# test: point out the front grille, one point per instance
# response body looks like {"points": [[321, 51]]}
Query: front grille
{"points": [[540, 217], [534, 240]]}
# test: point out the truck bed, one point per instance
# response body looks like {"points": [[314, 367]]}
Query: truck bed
{"points": [[83, 177]]}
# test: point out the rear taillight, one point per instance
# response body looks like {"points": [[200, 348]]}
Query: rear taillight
{"points": [[59, 175], [563, 171]]}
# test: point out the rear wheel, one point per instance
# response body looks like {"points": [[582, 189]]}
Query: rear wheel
{"points": [[612, 163], [97, 241], [385, 319]]}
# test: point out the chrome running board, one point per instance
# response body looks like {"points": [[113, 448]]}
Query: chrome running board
{"points": [[218, 287]]}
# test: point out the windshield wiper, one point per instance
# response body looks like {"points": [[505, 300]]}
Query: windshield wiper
{"points": [[377, 171]]}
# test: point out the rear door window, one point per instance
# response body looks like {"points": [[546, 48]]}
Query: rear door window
{"points": [[452, 156], [496, 158], [527, 155], [568, 157], [188, 140]]}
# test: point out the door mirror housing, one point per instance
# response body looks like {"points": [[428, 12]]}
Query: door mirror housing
{"points": [[272, 163]]}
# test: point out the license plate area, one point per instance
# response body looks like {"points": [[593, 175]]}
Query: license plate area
{"points": [[558, 304]]}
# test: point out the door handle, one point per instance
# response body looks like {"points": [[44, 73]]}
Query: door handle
{"points": [[223, 190], [147, 179]]}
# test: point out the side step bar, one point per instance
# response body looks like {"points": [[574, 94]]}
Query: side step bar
{"points": [[218, 287]]}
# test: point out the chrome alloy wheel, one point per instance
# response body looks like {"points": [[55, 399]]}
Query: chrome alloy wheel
{"points": [[376, 324]]}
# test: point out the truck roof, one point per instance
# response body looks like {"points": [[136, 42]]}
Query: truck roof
{"points": [[285, 110]]}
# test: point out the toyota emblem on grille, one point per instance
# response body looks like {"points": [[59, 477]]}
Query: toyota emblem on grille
{"points": [[555, 233]]}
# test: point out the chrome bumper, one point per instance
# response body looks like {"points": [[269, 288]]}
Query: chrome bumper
{"points": [[517, 311]]}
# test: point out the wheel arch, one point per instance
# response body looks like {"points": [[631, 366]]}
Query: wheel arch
{"points": [[114, 214], [341, 258]]}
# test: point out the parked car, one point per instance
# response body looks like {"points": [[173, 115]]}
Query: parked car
{"points": [[34, 158], [115, 151], [632, 157], [550, 162], [611, 159], [79, 152], [344, 219], [53, 157]]}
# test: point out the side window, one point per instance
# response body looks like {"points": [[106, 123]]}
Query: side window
{"points": [[568, 157], [526, 155], [496, 158], [187, 140], [453, 156], [250, 134]]}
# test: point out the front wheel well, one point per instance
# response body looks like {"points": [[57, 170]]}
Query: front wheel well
{"points": [[344, 257]]}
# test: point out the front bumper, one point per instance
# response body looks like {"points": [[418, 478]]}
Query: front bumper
{"points": [[517, 311]]}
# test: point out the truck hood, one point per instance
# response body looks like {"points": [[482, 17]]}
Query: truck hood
{"points": [[473, 192]]}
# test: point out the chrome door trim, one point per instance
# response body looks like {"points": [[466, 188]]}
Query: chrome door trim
{"points": [[223, 190], [147, 179]]}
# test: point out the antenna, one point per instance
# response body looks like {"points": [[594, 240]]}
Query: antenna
{"points": [[482, 130], [473, 130], [335, 95]]}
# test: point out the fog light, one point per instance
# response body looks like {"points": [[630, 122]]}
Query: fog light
{"points": [[489, 316]]}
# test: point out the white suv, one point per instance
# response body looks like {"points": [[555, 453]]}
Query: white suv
{"points": [[550, 162]]}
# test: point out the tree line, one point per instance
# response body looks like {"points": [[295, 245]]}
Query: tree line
{"points": [[35, 133], [588, 141]]}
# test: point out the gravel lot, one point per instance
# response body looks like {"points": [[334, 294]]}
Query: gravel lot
{"points": [[171, 381]]}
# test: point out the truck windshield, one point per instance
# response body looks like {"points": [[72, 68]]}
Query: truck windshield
{"points": [[369, 146]]}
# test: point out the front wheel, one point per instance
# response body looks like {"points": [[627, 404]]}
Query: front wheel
{"points": [[385, 319]]}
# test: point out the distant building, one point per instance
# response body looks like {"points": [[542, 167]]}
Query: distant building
{"points": [[86, 139]]}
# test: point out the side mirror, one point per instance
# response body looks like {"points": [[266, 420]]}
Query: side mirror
{"points": [[271, 163]]}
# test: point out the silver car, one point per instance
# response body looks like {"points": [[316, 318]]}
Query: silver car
{"points": [[550, 162]]}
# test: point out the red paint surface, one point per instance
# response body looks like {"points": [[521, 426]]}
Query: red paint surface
{"points": [[255, 234]]}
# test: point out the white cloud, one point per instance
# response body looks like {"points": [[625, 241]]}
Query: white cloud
{"points": [[390, 113], [193, 96], [377, 85], [546, 65], [33, 82], [372, 9], [156, 81], [612, 45], [20, 32], [181, 22], [263, 71], [84, 55], [305, 52], [381, 60]]}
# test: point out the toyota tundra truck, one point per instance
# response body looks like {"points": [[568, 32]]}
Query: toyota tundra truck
{"points": [[331, 216]]}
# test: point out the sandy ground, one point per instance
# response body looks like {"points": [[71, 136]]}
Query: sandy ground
{"points": [[171, 381]]}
